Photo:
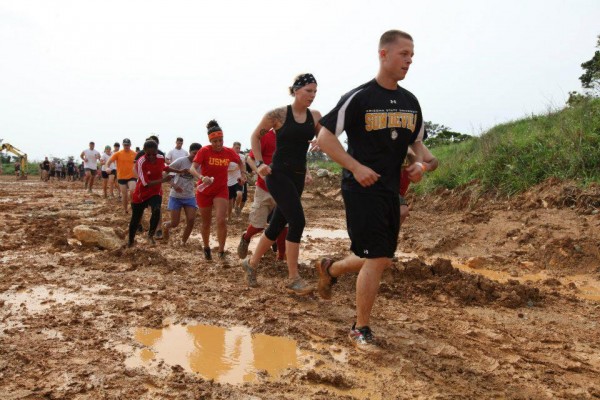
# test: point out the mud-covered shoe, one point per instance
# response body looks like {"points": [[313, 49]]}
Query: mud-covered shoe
{"points": [[221, 255], [326, 281], [362, 338], [299, 287], [159, 234], [242, 249], [250, 273], [207, 254], [165, 232]]}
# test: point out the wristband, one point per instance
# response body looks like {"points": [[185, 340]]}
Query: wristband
{"points": [[259, 163]]}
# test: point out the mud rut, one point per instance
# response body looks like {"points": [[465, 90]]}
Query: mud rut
{"points": [[69, 313]]}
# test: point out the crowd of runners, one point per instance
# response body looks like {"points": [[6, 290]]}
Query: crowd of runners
{"points": [[384, 126]]}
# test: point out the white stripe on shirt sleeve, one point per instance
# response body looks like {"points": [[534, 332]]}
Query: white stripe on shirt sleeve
{"points": [[140, 171], [341, 117]]}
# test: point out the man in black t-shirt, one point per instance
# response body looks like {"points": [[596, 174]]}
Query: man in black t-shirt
{"points": [[70, 169], [45, 169], [381, 120]]}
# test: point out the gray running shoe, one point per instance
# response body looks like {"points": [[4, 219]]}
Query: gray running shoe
{"points": [[299, 287], [250, 273], [242, 249], [363, 339]]}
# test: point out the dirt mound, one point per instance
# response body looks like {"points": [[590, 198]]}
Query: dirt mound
{"points": [[552, 193], [139, 257], [555, 193], [441, 280], [569, 254]]}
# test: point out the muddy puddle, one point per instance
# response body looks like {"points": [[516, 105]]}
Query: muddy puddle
{"points": [[587, 287], [318, 233], [236, 356], [226, 355]]}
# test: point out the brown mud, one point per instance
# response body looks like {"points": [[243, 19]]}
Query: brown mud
{"points": [[489, 298]]}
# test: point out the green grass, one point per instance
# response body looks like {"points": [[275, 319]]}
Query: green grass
{"points": [[331, 166], [9, 169], [512, 157]]}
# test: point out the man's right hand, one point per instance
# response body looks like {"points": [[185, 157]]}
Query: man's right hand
{"points": [[264, 170], [365, 176]]}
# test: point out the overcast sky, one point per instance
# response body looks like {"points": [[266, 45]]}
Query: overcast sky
{"points": [[75, 71]]}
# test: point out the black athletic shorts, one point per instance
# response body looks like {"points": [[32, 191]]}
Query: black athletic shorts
{"points": [[373, 222], [124, 181], [105, 175], [245, 193], [153, 202], [233, 189]]}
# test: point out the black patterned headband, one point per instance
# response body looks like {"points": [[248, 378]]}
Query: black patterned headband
{"points": [[304, 80]]}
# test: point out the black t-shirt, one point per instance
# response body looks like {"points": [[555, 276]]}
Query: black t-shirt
{"points": [[380, 124], [46, 165], [70, 165]]}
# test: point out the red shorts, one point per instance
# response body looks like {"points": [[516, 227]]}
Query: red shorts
{"points": [[206, 200], [404, 183]]}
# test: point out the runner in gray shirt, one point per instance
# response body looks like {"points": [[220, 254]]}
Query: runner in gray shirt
{"points": [[182, 195]]}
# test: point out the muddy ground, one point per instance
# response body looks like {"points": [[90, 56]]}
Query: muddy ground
{"points": [[488, 299]]}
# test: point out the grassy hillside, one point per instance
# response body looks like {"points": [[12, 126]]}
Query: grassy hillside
{"points": [[9, 169], [515, 156]]}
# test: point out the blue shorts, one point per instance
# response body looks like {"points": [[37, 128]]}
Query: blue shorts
{"points": [[176, 203]]}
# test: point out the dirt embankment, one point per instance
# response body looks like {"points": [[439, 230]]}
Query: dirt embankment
{"points": [[489, 298]]}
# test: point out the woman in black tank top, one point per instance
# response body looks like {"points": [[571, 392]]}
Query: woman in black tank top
{"points": [[295, 127]]}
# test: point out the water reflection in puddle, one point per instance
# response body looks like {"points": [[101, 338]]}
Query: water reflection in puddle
{"points": [[318, 233], [231, 355]]}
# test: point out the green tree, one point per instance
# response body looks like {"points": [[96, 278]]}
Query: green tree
{"points": [[591, 77], [439, 135], [434, 129], [590, 80]]}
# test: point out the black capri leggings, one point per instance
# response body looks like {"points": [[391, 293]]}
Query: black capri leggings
{"points": [[137, 212], [286, 187]]}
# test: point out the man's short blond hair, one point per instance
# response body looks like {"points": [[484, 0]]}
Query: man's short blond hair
{"points": [[391, 36]]}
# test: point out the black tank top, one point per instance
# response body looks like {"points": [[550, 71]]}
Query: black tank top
{"points": [[292, 142]]}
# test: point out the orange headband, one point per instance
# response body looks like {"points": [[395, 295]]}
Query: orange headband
{"points": [[215, 134]]}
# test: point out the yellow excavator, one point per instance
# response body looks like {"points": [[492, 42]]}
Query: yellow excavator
{"points": [[22, 158]]}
